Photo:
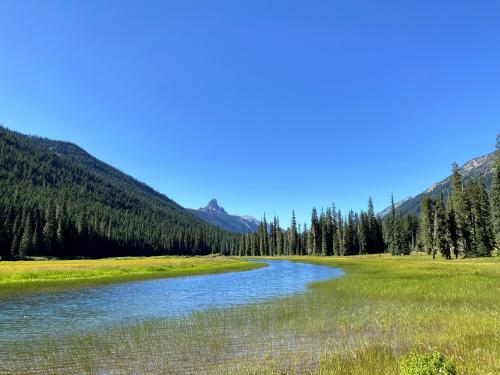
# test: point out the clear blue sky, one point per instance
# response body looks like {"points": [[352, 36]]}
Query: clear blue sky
{"points": [[265, 105]]}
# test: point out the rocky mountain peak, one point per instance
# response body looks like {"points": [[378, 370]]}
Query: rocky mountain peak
{"points": [[213, 206]]}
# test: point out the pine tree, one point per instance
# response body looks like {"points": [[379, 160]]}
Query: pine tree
{"points": [[396, 242], [304, 240], [49, 229], [286, 246], [25, 245], [5, 234], [36, 240], [482, 237], [495, 197], [329, 228], [410, 231], [293, 235], [315, 232], [279, 238], [14, 246], [364, 234], [380, 247], [439, 233], [324, 233], [461, 205], [61, 235], [272, 237], [310, 242], [350, 236], [299, 240], [340, 234], [427, 224], [241, 246], [451, 229], [265, 237], [335, 235], [373, 244]]}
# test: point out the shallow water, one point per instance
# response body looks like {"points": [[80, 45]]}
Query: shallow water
{"points": [[26, 317]]}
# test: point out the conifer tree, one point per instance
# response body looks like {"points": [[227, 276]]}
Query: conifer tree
{"points": [[5, 233], [373, 242], [265, 250], [25, 245], [324, 233], [396, 242], [350, 237], [495, 197], [482, 238], [299, 240], [49, 229], [310, 242], [451, 229], [427, 224], [461, 205], [315, 232], [335, 235], [439, 233], [304, 240], [364, 234], [279, 238], [340, 234], [329, 228], [14, 246], [286, 246], [293, 235]]}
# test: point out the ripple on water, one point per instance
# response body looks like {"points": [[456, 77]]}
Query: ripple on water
{"points": [[59, 313]]}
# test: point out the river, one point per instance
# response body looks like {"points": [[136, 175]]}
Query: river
{"points": [[42, 315]]}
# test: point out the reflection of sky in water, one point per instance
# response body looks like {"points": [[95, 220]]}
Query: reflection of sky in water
{"points": [[67, 311]]}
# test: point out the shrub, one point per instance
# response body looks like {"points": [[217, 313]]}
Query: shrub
{"points": [[430, 363]]}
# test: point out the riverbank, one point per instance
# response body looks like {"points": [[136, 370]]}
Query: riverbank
{"points": [[361, 323], [39, 275]]}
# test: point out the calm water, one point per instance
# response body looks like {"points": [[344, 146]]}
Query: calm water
{"points": [[59, 313]]}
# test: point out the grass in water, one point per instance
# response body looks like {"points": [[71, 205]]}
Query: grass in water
{"points": [[363, 323], [38, 275]]}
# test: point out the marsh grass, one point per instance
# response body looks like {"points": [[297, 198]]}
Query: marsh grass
{"points": [[362, 323], [40, 275]]}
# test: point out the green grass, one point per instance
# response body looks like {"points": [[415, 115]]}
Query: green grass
{"points": [[41, 275], [362, 323]]}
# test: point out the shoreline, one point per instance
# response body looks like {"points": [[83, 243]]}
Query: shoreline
{"points": [[20, 277]]}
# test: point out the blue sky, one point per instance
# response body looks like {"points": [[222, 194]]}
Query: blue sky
{"points": [[267, 106]]}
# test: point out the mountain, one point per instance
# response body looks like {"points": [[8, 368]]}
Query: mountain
{"points": [[216, 215], [58, 200], [475, 168]]}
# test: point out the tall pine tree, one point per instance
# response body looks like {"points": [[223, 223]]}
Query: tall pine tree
{"points": [[495, 197]]}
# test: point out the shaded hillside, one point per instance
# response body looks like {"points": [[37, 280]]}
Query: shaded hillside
{"points": [[58, 200]]}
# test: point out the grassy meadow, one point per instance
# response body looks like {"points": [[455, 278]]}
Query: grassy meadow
{"points": [[361, 323], [36, 275]]}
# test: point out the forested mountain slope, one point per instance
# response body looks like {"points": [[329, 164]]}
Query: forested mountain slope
{"points": [[57, 200], [476, 168]]}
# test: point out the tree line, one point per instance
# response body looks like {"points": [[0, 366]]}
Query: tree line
{"points": [[465, 223], [58, 201], [329, 233]]}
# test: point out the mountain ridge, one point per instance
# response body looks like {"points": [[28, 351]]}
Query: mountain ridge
{"points": [[216, 215], [474, 168], [58, 200]]}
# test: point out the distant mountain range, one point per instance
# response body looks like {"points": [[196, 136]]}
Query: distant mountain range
{"points": [[216, 215], [475, 168]]}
